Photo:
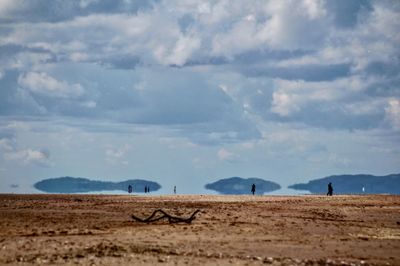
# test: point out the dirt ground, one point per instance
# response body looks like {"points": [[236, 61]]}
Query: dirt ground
{"points": [[229, 230]]}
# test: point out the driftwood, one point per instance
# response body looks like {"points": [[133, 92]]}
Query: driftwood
{"points": [[171, 219]]}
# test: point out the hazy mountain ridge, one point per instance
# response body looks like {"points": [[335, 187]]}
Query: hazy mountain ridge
{"points": [[353, 184], [238, 185], [69, 184]]}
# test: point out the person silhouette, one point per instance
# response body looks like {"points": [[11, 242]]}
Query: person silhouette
{"points": [[174, 189], [253, 188], [330, 189], [129, 189]]}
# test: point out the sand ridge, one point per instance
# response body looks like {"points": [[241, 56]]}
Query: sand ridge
{"points": [[238, 230]]}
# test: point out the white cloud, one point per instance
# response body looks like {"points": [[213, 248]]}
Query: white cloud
{"points": [[117, 155], [184, 48], [10, 150], [284, 104], [240, 67], [241, 37], [291, 96], [45, 85], [227, 27], [393, 112], [374, 40], [272, 25], [275, 33], [318, 79], [29, 156], [346, 96], [6, 145], [85, 3], [223, 28], [290, 24], [7, 7], [225, 155], [77, 57], [248, 145]]}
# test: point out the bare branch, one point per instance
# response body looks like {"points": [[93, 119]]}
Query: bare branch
{"points": [[171, 219]]}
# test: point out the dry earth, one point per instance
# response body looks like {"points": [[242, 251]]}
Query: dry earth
{"points": [[241, 230]]}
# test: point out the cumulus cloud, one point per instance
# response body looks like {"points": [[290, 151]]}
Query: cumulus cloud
{"points": [[45, 85], [183, 49], [11, 151], [156, 35], [195, 30], [349, 102], [58, 10], [6, 144], [393, 113], [30, 156], [320, 63], [7, 138], [291, 96], [270, 81], [290, 23]]}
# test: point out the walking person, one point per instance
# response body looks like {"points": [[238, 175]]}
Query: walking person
{"points": [[330, 189], [253, 188]]}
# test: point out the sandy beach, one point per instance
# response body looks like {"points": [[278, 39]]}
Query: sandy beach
{"points": [[228, 230]]}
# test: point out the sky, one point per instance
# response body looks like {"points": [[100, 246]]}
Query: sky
{"points": [[188, 92]]}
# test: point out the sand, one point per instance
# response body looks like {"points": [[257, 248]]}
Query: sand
{"points": [[229, 230]]}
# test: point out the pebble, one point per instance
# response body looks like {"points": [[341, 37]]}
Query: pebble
{"points": [[269, 259]]}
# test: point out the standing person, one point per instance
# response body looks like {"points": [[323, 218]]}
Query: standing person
{"points": [[253, 188], [330, 189], [145, 189], [129, 189], [174, 189]]}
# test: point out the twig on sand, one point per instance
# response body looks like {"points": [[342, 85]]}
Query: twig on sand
{"points": [[171, 219]]}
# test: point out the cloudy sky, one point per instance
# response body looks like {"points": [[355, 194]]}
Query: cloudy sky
{"points": [[188, 92]]}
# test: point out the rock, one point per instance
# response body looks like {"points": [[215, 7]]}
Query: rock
{"points": [[268, 260]]}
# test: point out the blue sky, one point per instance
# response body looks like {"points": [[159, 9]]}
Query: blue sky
{"points": [[188, 92]]}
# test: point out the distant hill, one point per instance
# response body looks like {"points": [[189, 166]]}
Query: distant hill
{"points": [[353, 184], [238, 185], [69, 184]]}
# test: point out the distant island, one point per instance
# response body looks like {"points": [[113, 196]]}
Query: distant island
{"points": [[69, 184], [353, 184], [238, 185]]}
